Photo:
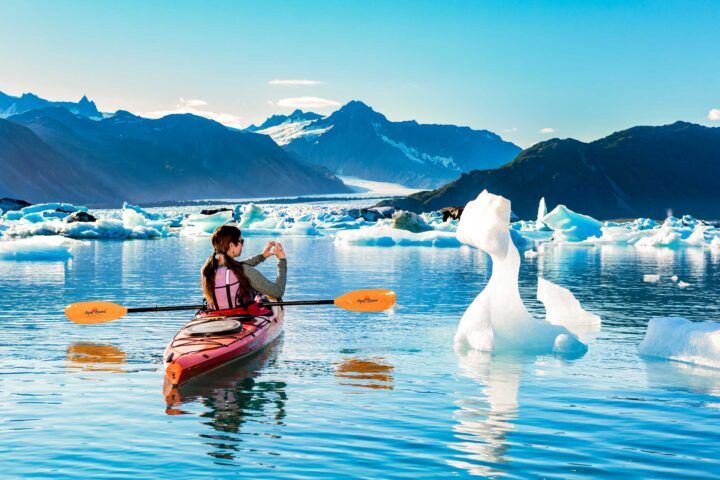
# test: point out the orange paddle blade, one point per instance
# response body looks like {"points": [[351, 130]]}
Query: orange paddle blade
{"points": [[366, 300], [94, 312]]}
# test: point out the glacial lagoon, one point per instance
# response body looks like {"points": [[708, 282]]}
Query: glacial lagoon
{"points": [[349, 394]]}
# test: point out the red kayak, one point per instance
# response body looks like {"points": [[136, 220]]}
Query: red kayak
{"points": [[214, 338]]}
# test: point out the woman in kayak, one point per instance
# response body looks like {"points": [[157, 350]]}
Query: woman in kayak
{"points": [[228, 283]]}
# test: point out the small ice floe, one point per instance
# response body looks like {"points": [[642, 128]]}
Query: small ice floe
{"points": [[677, 338], [200, 224], [409, 221], [682, 284], [651, 278], [386, 236], [38, 248], [570, 226], [674, 278], [497, 319]]}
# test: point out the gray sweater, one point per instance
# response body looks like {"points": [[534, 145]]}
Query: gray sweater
{"points": [[262, 284]]}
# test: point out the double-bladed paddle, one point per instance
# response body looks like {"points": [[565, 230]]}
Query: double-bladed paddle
{"points": [[356, 301]]}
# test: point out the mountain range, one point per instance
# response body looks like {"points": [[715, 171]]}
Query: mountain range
{"points": [[641, 171], [357, 141], [10, 105], [52, 154]]}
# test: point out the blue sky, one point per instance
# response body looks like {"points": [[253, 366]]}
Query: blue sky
{"points": [[527, 70]]}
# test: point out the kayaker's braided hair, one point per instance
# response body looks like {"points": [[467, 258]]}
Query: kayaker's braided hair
{"points": [[221, 239]]}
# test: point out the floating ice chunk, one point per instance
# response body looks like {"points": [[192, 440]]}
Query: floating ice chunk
{"points": [[562, 308], [677, 338], [542, 211], [38, 248], [13, 215], [102, 228], [531, 253], [697, 237], [651, 278], [52, 207], [206, 224], [497, 318], [131, 218], [665, 237], [715, 243], [409, 221], [144, 213], [386, 236], [682, 284], [674, 278], [249, 214], [570, 226]]}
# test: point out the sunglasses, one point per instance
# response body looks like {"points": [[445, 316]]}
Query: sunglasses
{"points": [[242, 241]]}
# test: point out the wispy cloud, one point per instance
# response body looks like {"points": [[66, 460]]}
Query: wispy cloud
{"points": [[547, 130], [191, 106], [306, 102], [714, 114], [510, 130], [193, 102], [294, 83]]}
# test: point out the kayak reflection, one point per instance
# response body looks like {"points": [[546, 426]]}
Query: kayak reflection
{"points": [[372, 373], [95, 357], [232, 396], [484, 422]]}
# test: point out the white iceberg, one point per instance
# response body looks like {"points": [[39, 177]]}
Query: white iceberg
{"points": [[570, 226], [38, 248], [562, 308], [541, 213], [497, 318], [205, 224], [677, 338]]}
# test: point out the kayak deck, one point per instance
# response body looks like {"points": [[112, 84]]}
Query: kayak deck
{"points": [[189, 355]]}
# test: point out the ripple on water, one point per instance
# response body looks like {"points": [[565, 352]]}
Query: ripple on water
{"points": [[348, 394]]}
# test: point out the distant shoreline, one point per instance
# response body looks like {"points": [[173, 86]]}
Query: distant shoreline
{"points": [[263, 201]]}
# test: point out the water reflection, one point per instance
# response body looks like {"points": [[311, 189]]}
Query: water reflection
{"points": [[374, 373], [484, 422], [95, 357], [671, 375], [232, 396]]}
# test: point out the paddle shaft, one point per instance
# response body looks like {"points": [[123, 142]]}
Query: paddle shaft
{"points": [[200, 307]]}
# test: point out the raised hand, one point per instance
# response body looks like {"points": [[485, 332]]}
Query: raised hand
{"points": [[268, 250], [279, 252]]}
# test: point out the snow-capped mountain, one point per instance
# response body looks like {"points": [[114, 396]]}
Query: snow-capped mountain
{"points": [[358, 141], [10, 105], [51, 154], [298, 116]]}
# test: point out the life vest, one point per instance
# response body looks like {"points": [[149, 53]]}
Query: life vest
{"points": [[226, 288]]}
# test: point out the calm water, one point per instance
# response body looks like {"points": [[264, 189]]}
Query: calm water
{"points": [[343, 394]]}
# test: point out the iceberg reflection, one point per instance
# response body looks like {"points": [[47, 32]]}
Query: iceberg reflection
{"points": [[484, 422]]}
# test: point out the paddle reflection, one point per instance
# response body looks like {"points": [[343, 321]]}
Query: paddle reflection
{"points": [[374, 373], [95, 357], [484, 422], [232, 396]]}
